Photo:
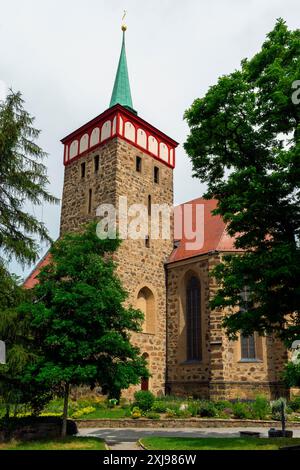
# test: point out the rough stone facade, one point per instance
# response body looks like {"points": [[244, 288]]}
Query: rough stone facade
{"points": [[141, 268], [221, 374]]}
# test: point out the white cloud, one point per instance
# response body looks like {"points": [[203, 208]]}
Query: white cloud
{"points": [[3, 90]]}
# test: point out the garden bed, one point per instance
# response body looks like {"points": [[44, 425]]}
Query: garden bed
{"points": [[149, 411]]}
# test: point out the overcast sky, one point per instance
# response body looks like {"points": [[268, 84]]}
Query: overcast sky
{"points": [[63, 54]]}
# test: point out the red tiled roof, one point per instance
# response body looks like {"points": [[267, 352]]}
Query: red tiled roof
{"points": [[32, 280], [212, 227]]}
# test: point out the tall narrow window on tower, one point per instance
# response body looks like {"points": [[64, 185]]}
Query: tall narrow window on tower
{"points": [[96, 163], [138, 164], [149, 205], [147, 241], [82, 169], [156, 174], [90, 201]]}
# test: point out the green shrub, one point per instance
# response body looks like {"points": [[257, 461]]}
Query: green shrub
{"points": [[207, 409], [136, 412], [144, 400], [84, 411], [159, 407], [112, 402], [128, 412], [241, 410], [183, 414], [174, 406], [193, 408], [226, 413], [171, 413], [152, 415], [126, 406], [261, 407], [294, 404], [223, 404], [277, 406], [124, 403]]}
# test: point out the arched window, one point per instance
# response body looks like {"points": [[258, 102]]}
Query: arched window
{"points": [[193, 319], [146, 303]]}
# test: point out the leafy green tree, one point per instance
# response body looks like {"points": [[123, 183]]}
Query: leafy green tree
{"points": [[11, 294], [81, 326], [291, 373], [244, 142], [21, 354], [15, 331], [23, 179]]}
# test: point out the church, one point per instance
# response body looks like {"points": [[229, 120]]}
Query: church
{"points": [[188, 354]]}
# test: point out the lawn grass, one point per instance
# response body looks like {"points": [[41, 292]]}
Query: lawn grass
{"points": [[213, 443], [69, 443], [100, 413]]}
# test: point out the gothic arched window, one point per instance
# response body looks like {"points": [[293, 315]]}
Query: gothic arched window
{"points": [[146, 303], [193, 319]]}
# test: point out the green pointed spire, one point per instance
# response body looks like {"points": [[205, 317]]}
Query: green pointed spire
{"points": [[121, 92]]}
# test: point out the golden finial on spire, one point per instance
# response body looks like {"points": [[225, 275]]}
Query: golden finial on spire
{"points": [[124, 27]]}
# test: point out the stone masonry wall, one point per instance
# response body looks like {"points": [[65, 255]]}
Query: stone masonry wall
{"points": [[221, 374], [138, 266]]}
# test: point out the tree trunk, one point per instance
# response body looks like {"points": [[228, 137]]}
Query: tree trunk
{"points": [[65, 412], [283, 419]]}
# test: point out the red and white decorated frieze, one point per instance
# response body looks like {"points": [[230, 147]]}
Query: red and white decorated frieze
{"points": [[119, 122]]}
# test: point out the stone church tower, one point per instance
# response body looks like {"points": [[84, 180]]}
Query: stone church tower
{"points": [[119, 154]]}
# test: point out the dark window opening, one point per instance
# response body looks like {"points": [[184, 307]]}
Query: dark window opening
{"points": [[82, 170], [156, 174], [147, 241], [138, 164], [149, 205], [145, 384], [248, 350], [90, 201], [96, 163], [193, 319]]}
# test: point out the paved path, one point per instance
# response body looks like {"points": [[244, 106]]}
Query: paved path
{"points": [[126, 438]]}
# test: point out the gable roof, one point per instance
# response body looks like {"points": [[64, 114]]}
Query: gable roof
{"points": [[32, 280], [215, 236]]}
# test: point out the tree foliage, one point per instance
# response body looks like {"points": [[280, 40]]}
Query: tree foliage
{"points": [[15, 331], [79, 321], [291, 373], [23, 179], [244, 142]]}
